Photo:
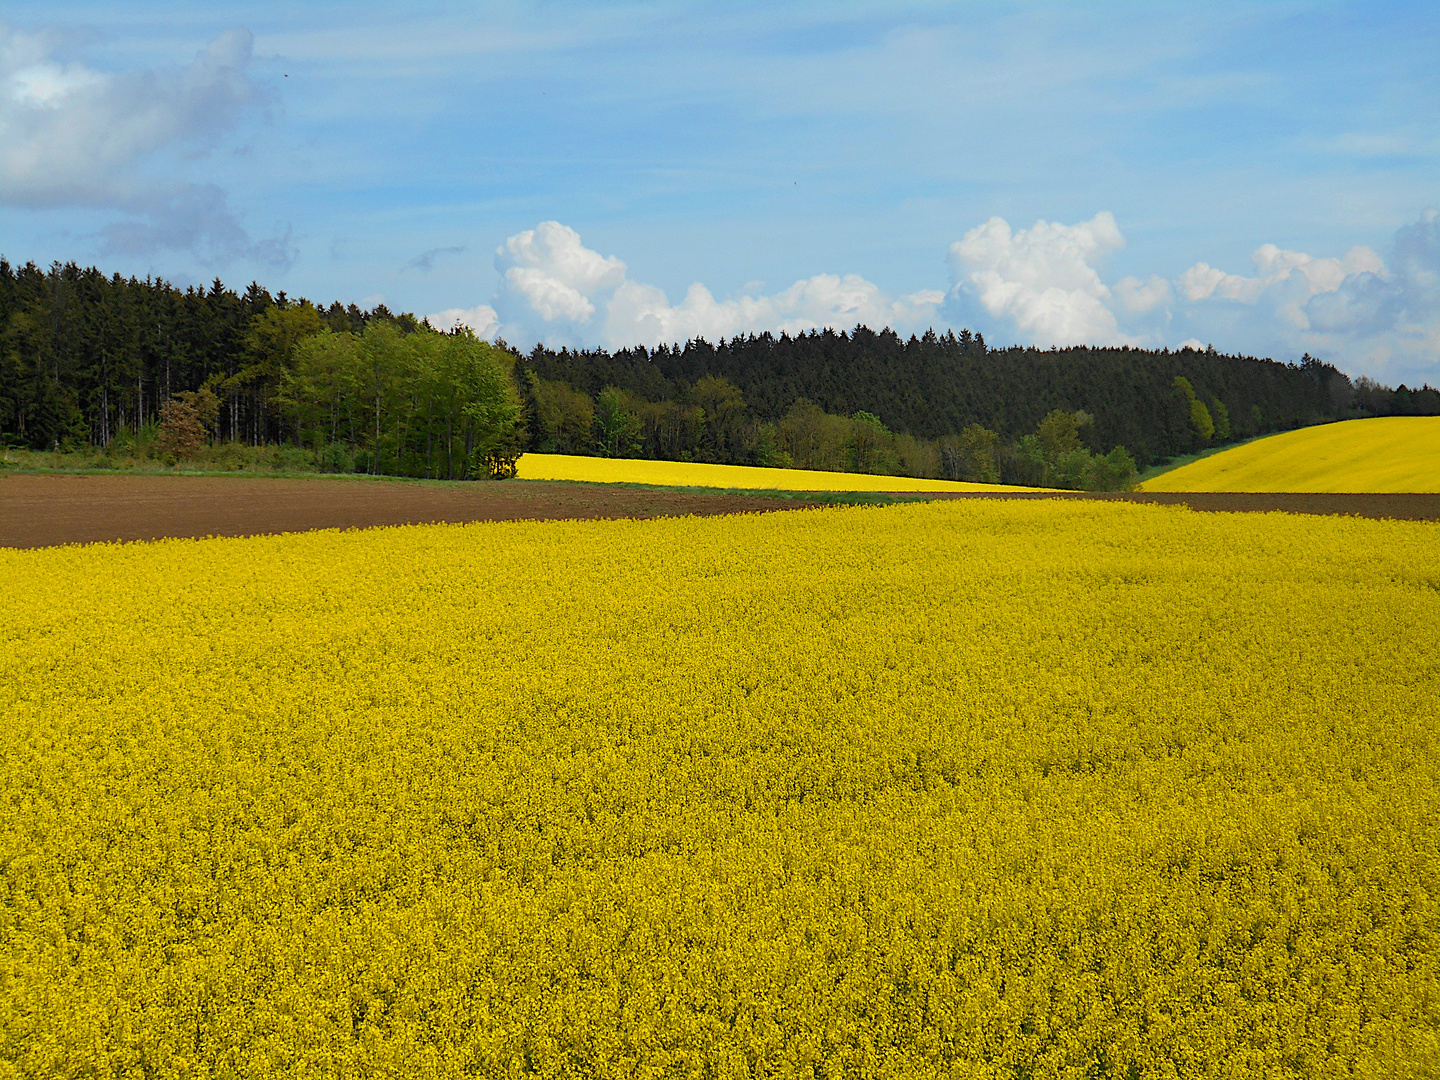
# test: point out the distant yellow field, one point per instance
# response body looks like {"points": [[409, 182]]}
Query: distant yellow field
{"points": [[690, 474], [1388, 453]]}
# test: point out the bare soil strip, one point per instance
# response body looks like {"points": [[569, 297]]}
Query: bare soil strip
{"points": [[42, 510]]}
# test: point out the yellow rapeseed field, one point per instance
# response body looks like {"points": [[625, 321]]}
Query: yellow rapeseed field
{"points": [[1388, 453], [694, 474], [980, 789]]}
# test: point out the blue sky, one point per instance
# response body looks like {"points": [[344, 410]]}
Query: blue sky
{"points": [[1260, 176]]}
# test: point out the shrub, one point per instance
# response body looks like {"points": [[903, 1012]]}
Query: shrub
{"points": [[182, 432]]}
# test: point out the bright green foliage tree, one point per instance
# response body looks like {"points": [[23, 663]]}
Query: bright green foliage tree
{"points": [[724, 430], [870, 444], [273, 336], [1200, 420], [318, 393], [617, 427], [1071, 470], [419, 404], [815, 439], [1055, 457], [564, 418], [1059, 433], [974, 455], [1029, 461], [461, 390], [382, 360], [1221, 415], [1201, 425], [1114, 471], [269, 353], [672, 430], [1057, 453], [915, 457]]}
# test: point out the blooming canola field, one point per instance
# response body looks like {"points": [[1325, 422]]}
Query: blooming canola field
{"points": [[964, 789], [1381, 454], [699, 474]]}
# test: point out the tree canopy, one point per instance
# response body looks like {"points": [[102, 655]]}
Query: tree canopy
{"points": [[85, 358]]}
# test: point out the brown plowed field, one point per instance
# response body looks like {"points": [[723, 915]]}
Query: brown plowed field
{"points": [[40, 510]]}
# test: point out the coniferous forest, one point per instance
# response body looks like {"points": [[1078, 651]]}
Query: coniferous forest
{"points": [[86, 360]]}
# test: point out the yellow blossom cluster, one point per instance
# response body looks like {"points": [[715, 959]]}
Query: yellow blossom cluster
{"points": [[964, 789]]}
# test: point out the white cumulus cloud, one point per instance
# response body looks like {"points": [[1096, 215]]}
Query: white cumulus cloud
{"points": [[1138, 296], [1360, 311], [1040, 285], [555, 289], [644, 313], [1043, 280], [1275, 266], [1356, 310], [481, 319], [547, 272]]}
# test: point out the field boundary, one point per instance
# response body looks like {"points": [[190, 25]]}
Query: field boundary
{"points": [[1181, 460], [46, 510]]}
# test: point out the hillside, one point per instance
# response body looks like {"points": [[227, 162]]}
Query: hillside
{"points": [[1383, 454]]}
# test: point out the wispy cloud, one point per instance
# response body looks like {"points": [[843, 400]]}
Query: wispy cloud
{"points": [[74, 136], [194, 218], [425, 261]]}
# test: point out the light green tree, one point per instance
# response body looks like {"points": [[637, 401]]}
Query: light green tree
{"points": [[871, 444], [617, 427], [564, 418], [1063, 458], [269, 354], [423, 404], [316, 393], [1201, 424], [974, 455], [813, 438], [1029, 458], [1221, 415], [1114, 471]]}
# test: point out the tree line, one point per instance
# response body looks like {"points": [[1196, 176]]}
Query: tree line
{"points": [[938, 385], [87, 359], [711, 422]]}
